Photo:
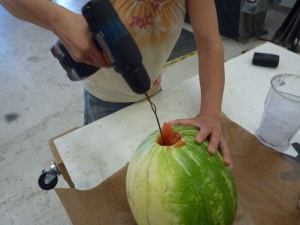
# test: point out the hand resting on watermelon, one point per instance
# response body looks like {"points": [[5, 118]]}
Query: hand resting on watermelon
{"points": [[210, 127]]}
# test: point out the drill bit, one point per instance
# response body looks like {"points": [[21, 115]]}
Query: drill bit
{"points": [[155, 113]]}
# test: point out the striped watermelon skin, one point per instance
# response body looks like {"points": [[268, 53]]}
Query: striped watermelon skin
{"points": [[184, 186]]}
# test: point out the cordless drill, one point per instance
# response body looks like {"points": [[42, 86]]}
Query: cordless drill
{"points": [[114, 41]]}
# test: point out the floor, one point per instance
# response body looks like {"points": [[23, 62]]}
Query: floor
{"points": [[38, 102]]}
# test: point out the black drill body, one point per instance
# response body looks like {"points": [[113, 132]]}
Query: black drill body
{"points": [[116, 44]]}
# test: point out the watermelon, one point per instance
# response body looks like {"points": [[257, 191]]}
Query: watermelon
{"points": [[171, 183]]}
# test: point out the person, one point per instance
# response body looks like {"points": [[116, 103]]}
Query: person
{"points": [[155, 25]]}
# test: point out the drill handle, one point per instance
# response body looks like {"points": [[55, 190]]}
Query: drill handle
{"points": [[75, 70]]}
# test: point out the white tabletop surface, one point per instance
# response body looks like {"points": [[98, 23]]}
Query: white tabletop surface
{"points": [[96, 151]]}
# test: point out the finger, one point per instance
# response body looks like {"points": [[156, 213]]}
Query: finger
{"points": [[89, 61], [98, 58], [226, 153], [88, 53], [202, 135], [101, 63], [81, 57], [187, 122], [214, 141]]}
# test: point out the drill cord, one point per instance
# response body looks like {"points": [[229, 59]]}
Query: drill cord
{"points": [[154, 110]]}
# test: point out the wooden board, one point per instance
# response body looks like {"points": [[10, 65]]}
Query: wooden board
{"points": [[58, 160]]}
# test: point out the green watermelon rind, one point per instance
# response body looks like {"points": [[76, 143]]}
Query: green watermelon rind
{"points": [[172, 187]]}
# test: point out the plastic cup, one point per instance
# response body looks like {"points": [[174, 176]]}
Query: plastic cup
{"points": [[281, 117]]}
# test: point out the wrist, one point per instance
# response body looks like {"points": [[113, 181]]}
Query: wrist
{"points": [[58, 19], [216, 115]]}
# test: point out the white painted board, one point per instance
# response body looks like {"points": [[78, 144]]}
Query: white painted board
{"points": [[96, 151]]}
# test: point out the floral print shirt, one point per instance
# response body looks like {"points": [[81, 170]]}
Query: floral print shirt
{"points": [[155, 25]]}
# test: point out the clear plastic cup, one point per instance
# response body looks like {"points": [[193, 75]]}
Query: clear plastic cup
{"points": [[281, 117]]}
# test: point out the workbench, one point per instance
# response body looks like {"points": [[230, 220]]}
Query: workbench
{"points": [[90, 154]]}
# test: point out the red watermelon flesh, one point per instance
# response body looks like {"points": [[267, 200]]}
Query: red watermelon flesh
{"points": [[170, 137]]}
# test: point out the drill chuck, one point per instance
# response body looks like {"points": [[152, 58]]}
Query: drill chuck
{"points": [[137, 80]]}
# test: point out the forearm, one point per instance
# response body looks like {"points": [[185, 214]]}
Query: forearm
{"points": [[43, 13], [71, 28], [211, 72], [210, 52], [203, 17]]}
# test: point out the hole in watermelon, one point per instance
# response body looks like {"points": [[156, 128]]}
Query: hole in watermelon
{"points": [[171, 137]]}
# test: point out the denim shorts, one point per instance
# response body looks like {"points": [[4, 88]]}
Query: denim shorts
{"points": [[95, 108]]}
